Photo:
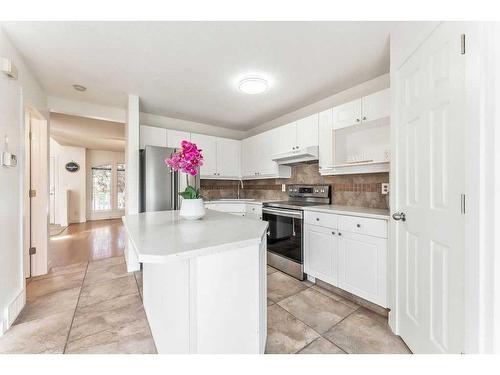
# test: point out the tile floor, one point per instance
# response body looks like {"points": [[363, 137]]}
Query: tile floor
{"points": [[94, 306], [304, 318]]}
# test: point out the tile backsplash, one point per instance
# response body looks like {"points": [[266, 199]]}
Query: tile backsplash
{"points": [[362, 190]]}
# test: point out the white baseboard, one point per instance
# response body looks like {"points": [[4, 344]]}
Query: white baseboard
{"points": [[12, 311]]}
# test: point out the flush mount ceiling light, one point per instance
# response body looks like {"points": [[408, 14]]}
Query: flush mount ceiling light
{"points": [[253, 85], [79, 88]]}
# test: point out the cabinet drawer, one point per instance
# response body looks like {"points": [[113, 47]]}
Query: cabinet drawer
{"points": [[362, 225], [322, 219], [254, 209]]}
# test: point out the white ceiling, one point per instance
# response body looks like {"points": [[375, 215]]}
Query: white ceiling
{"points": [[188, 70], [89, 133]]}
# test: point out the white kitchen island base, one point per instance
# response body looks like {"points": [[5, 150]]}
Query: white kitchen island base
{"points": [[203, 300]]}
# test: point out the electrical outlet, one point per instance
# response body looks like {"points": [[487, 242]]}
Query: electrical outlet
{"points": [[385, 188], [283, 187]]}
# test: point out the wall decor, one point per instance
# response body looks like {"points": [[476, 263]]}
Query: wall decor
{"points": [[72, 166]]}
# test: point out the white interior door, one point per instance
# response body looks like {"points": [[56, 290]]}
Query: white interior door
{"points": [[430, 184]]}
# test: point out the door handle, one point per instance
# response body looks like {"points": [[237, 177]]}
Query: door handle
{"points": [[399, 216]]}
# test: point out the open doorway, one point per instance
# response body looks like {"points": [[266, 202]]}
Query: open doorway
{"points": [[35, 188]]}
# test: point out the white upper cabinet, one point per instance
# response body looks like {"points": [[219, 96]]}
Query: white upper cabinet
{"points": [[347, 114], [208, 145], [296, 135], [285, 138], [228, 158], [368, 108], [152, 136], [248, 157], [325, 138], [376, 106], [257, 154], [175, 137], [221, 156], [307, 132]]}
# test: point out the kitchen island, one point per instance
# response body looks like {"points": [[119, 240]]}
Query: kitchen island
{"points": [[204, 281]]}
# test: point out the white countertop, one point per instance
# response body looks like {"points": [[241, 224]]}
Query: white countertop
{"points": [[374, 213], [243, 200], [163, 236]]}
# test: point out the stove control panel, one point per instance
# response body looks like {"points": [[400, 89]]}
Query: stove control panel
{"points": [[319, 191]]}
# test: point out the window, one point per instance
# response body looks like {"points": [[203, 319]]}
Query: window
{"points": [[120, 186], [101, 187]]}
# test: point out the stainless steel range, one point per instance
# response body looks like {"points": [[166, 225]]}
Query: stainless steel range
{"points": [[285, 243]]}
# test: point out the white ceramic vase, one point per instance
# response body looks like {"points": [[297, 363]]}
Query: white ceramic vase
{"points": [[192, 209]]}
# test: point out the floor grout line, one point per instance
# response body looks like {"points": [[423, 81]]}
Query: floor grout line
{"points": [[307, 325], [76, 307]]}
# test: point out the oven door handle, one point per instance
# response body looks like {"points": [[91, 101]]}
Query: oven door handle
{"points": [[285, 213]]}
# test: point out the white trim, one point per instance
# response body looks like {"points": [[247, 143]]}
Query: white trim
{"points": [[132, 173], [85, 109], [483, 155], [12, 311]]}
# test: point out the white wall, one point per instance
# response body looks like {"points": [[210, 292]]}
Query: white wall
{"points": [[75, 182], [189, 126], [95, 158], [84, 109], [15, 96]]}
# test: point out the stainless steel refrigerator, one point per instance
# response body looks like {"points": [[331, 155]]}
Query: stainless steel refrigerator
{"points": [[159, 185]]}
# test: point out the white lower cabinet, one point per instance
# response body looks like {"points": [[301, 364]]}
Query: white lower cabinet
{"points": [[362, 266], [322, 258], [349, 260]]}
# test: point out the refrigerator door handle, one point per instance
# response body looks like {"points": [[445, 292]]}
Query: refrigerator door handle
{"points": [[174, 189]]}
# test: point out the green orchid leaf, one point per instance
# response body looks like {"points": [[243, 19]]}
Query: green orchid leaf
{"points": [[185, 195], [190, 193]]}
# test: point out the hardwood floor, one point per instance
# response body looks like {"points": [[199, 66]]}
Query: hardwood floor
{"points": [[86, 242]]}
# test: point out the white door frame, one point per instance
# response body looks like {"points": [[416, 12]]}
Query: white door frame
{"points": [[482, 268], [35, 211]]}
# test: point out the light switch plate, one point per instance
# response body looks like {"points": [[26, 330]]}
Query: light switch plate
{"points": [[8, 160], [385, 188], [283, 187]]}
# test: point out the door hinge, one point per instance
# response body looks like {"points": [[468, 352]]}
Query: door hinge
{"points": [[462, 204], [462, 44], [32, 250], [32, 193]]}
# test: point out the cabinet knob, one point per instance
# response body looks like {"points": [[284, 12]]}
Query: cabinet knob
{"points": [[333, 233], [358, 225], [364, 117], [358, 120], [317, 219], [340, 234]]}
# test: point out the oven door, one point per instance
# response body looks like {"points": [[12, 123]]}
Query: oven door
{"points": [[284, 236]]}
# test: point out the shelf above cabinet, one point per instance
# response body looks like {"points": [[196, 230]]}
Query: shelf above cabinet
{"points": [[355, 168]]}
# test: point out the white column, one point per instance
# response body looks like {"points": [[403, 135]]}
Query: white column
{"points": [[132, 172]]}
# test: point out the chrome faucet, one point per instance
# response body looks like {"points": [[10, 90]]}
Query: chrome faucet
{"points": [[240, 183]]}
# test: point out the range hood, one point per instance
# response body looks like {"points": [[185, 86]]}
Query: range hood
{"points": [[298, 156]]}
